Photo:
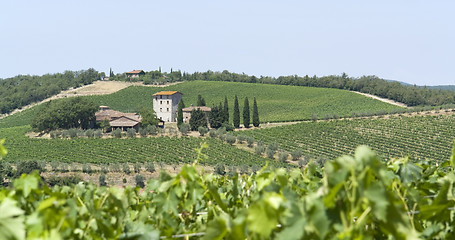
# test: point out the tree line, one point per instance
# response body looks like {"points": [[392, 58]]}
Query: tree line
{"points": [[219, 115], [22, 90]]}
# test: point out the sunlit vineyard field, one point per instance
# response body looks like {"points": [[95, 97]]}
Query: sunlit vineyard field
{"points": [[418, 137], [169, 150]]}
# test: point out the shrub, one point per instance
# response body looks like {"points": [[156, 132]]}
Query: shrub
{"points": [[250, 141], [126, 168], [27, 167], [63, 181], [117, 133], [150, 167], [296, 155], [139, 181], [131, 133], [86, 168], [151, 129], [53, 134], [143, 132], [221, 131], [222, 137], [270, 153], [90, 133], [97, 133], [230, 138], [115, 167], [220, 169], [137, 167], [273, 146], [283, 156], [241, 138], [184, 128], [202, 130], [227, 126], [102, 180], [213, 133], [259, 149]]}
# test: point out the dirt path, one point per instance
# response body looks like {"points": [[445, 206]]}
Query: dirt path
{"points": [[96, 88], [382, 99]]}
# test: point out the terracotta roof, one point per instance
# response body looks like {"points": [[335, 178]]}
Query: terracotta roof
{"points": [[203, 108], [135, 71], [166, 93], [123, 122], [112, 115]]}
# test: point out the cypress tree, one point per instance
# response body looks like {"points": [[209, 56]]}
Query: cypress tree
{"points": [[236, 116], [180, 113], [226, 110], [200, 100], [246, 113], [255, 114]]}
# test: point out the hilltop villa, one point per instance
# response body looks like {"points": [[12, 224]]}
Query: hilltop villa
{"points": [[165, 104], [135, 74]]}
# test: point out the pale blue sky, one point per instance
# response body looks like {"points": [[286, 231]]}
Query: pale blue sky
{"points": [[410, 41]]}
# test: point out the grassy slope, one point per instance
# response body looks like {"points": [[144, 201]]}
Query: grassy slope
{"points": [[418, 137], [276, 103]]}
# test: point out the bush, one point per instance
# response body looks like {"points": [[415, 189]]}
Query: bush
{"points": [[230, 138], [228, 127], [250, 141], [283, 156], [259, 149], [126, 168], [102, 180], [117, 133], [241, 138], [53, 134], [150, 167], [115, 167], [86, 168], [213, 133], [131, 133], [202, 130], [220, 169], [97, 133], [90, 133], [143, 132], [137, 167], [151, 129], [296, 155], [26, 167], [184, 128], [270, 153], [273, 146], [221, 131], [65, 134], [63, 181], [72, 133], [139, 181]]}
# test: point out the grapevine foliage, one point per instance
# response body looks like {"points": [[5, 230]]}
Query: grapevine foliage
{"points": [[352, 197]]}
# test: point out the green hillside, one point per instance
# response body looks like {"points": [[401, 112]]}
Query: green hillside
{"points": [[419, 137], [276, 103]]}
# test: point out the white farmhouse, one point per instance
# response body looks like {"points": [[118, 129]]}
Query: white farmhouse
{"points": [[165, 105]]}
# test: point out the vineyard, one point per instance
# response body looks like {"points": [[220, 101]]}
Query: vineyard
{"points": [[419, 137], [356, 197], [169, 150]]}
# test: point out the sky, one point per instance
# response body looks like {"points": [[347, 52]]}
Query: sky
{"points": [[407, 40]]}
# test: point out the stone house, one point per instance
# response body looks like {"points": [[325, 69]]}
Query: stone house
{"points": [[165, 105], [118, 119], [135, 74], [187, 113]]}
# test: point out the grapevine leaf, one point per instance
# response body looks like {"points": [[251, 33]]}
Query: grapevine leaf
{"points": [[26, 183], [11, 220], [377, 194], [262, 219]]}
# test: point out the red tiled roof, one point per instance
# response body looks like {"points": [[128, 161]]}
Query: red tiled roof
{"points": [[123, 122], [135, 71], [166, 93]]}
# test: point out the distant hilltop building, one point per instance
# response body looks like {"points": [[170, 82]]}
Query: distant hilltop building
{"points": [[165, 104], [135, 73]]}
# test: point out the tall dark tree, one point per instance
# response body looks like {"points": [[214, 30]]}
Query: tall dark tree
{"points": [[246, 113], [216, 117], [180, 112], [197, 119], [236, 116], [111, 73], [148, 117], [226, 110], [200, 100], [255, 114]]}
